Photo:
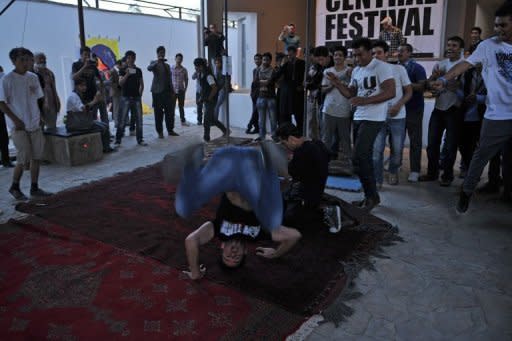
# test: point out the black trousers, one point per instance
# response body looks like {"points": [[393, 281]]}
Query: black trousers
{"points": [[253, 122], [4, 139], [164, 109], [468, 140]]}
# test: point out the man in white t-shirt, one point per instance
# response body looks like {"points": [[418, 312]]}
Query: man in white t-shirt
{"points": [[395, 122], [21, 99], [495, 54], [336, 108], [445, 118], [372, 85]]}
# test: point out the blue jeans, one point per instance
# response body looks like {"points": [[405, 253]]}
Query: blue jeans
{"points": [[134, 105], [267, 105], [221, 98], [395, 129]]}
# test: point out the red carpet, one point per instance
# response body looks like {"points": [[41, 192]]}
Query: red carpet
{"points": [[57, 284], [134, 211]]}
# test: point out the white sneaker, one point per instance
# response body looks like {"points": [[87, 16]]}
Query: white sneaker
{"points": [[413, 177]]}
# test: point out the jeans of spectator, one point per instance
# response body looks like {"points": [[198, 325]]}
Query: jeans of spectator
{"points": [[102, 106], [221, 99], [102, 128], [232, 169], [267, 107], [4, 139], [338, 129], [116, 109], [180, 97], [395, 129], [253, 122], [495, 135], [442, 121], [366, 132], [134, 105], [313, 122], [199, 108], [414, 127], [210, 120], [495, 169], [164, 110], [468, 140]]}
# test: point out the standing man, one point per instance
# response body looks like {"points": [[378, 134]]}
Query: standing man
{"points": [[476, 38], [266, 102], [392, 35], [162, 92], [371, 87], [445, 117], [4, 135], [179, 76], [215, 42], [21, 99], [115, 91], [86, 68], [414, 109], [289, 37], [51, 105], [199, 104], [394, 127], [495, 54], [132, 86], [253, 123]]}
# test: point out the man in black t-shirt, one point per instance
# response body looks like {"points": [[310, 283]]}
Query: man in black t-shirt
{"points": [[235, 224], [132, 86], [85, 68]]}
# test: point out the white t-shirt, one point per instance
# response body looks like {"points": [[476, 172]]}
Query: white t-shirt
{"points": [[367, 79], [447, 99], [401, 80], [74, 103], [335, 104], [20, 93], [496, 59]]}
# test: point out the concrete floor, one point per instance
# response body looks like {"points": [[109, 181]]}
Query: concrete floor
{"points": [[450, 280]]}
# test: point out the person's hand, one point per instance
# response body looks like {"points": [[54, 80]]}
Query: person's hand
{"points": [[265, 252], [19, 124], [437, 85], [196, 276], [393, 110], [358, 101]]}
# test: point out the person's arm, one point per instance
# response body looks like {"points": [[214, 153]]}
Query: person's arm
{"points": [[388, 92], [199, 237], [76, 75], [283, 34], [286, 237], [152, 65], [395, 109], [453, 73], [102, 86], [141, 86], [194, 76], [186, 80], [124, 78], [18, 123], [346, 91]]}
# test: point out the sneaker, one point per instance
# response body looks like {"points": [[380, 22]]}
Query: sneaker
{"points": [[463, 203], [427, 177], [413, 177], [393, 179], [39, 193], [17, 194], [185, 124], [132, 132], [173, 133], [248, 130], [142, 143], [109, 150], [206, 138], [199, 123], [370, 203], [258, 139], [160, 135], [445, 182], [332, 217], [359, 203], [254, 131]]}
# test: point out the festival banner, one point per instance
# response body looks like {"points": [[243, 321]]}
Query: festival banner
{"points": [[421, 22]]}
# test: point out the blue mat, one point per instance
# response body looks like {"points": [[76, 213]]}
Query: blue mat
{"points": [[344, 183]]}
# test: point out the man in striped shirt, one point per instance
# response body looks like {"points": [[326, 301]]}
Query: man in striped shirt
{"points": [[179, 76]]}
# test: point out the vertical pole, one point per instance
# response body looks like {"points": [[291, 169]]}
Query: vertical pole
{"points": [[97, 3], [81, 23], [307, 59], [227, 84], [200, 32]]}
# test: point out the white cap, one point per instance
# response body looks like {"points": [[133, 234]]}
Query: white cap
{"points": [[387, 20]]}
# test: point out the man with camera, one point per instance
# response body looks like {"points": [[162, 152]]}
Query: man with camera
{"points": [[289, 38], [214, 40]]}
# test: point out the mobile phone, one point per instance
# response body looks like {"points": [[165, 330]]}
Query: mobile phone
{"points": [[132, 71]]}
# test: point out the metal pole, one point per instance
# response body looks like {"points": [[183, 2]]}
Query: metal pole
{"points": [[200, 32], [307, 59], [226, 85], [97, 3], [7, 6], [81, 23]]}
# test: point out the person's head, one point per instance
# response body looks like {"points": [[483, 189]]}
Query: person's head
{"points": [[160, 52], [503, 22], [290, 136], [475, 34], [200, 64], [387, 23], [362, 51], [266, 59], [80, 86], [178, 58], [279, 57], [233, 252], [292, 52], [130, 57], [381, 50], [20, 58], [40, 60], [404, 52], [339, 55], [321, 54], [213, 28], [454, 46], [85, 53], [258, 59], [291, 27]]}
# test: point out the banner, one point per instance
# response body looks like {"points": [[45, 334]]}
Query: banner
{"points": [[421, 22]]}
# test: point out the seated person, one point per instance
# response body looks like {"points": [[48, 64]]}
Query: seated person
{"points": [[235, 224], [75, 105], [308, 168]]}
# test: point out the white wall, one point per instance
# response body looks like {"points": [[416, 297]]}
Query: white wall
{"points": [[53, 29]]}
